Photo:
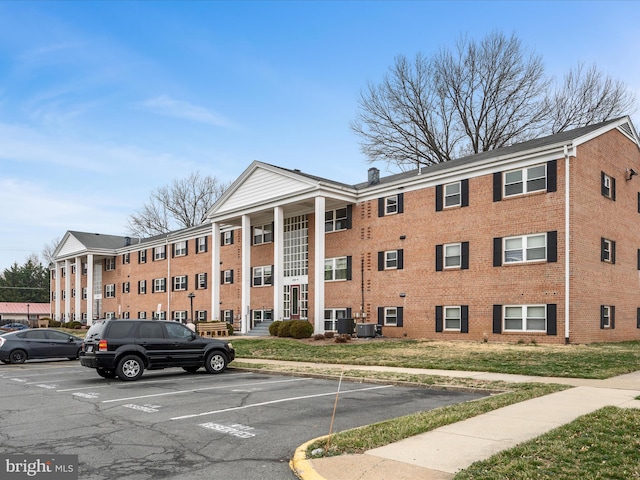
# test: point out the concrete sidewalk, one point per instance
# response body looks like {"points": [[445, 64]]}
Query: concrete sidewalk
{"points": [[440, 453]]}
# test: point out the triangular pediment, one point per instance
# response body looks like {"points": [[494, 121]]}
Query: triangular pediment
{"points": [[261, 184]]}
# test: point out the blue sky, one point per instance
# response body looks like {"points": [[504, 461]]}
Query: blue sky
{"points": [[102, 102]]}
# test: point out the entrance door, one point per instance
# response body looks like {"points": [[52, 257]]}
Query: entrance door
{"points": [[295, 302]]}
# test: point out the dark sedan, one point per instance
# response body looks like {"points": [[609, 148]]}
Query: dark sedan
{"points": [[37, 343]]}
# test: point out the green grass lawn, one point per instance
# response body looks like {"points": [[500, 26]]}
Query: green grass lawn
{"points": [[596, 361]]}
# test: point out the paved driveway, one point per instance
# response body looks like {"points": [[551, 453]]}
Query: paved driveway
{"points": [[237, 425]]}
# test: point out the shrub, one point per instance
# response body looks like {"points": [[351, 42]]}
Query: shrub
{"points": [[301, 329], [54, 323], [230, 328], [344, 338], [75, 325], [285, 328], [319, 336], [329, 334], [274, 327]]}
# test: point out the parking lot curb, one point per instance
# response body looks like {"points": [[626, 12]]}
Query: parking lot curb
{"points": [[301, 466]]}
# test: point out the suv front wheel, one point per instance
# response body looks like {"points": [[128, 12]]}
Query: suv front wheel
{"points": [[216, 362], [130, 367]]}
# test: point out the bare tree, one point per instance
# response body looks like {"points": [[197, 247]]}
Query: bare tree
{"points": [[586, 97], [474, 98], [183, 204], [48, 250]]}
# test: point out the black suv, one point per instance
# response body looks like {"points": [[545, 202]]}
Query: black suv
{"points": [[126, 347]]}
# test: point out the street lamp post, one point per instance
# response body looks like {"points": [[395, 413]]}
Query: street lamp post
{"points": [[191, 297], [27, 314]]}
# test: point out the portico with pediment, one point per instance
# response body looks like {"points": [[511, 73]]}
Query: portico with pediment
{"points": [[286, 212]]}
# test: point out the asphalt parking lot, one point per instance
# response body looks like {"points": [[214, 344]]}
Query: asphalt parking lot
{"points": [[238, 425]]}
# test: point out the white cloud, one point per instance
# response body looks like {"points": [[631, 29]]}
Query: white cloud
{"points": [[165, 105]]}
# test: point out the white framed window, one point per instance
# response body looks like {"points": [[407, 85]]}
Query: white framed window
{"points": [[84, 293], [110, 290], [227, 316], [201, 281], [607, 316], [526, 248], [336, 268], [262, 276], [525, 180], [126, 287], [227, 237], [84, 268], [452, 318], [73, 293], [142, 315], [452, 195], [608, 186], [335, 220], [142, 256], [162, 315], [126, 258], [142, 287], [180, 249], [201, 315], [160, 253], [64, 271], [390, 316], [608, 250], [159, 285], [525, 318], [110, 315], [331, 317], [391, 205], [453, 255], [201, 244], [109, 264], [125, 315], [262, 316], [64, 294], [73, 268], [84, 317], [391, 260], [180, 316], [263, 234], [227, 277], [180, 282]]}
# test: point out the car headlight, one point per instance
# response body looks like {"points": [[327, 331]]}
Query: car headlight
{"points": [[230, 345]]}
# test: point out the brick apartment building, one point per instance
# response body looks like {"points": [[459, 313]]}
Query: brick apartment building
{"points": [[535, 241]]}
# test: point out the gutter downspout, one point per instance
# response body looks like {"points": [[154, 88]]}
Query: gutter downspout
{"points": [[567, 237]]}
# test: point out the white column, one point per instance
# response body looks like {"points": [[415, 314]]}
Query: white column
{"points": [[246, 273], [78, 287], [318, 297], [67, 289], [58, 291], [278, 260], [215, 271], [90, 289]]}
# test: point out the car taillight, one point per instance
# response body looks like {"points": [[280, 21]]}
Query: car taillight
{"points": [[102, 346]]}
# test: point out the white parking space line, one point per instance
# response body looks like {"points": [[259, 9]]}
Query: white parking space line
{"points": [[201, 389], [272, 402]]}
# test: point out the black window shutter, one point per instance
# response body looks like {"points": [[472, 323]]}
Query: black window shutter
{"points": [[400, 259], [381, 207], [380, 261], [173, 283], [464, 319], [601, 316], [638, 318], [439, 199], [552, 175], [613, 251], [613, 189], [222, 277], [552, 322], [186, 282], [497, 319], [638, 259], [173, 250], [464, 184], [602, 247], [153, 286], [401, 203], [612, 309], [497, 186], [349, 266], [380, 315], [186, 247], [438, 318], [349, 216], [638, 202], [552, 246], [465, 256], [222, 238], [439, 257], [497, 251], [400, 316], [603, 189]]}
